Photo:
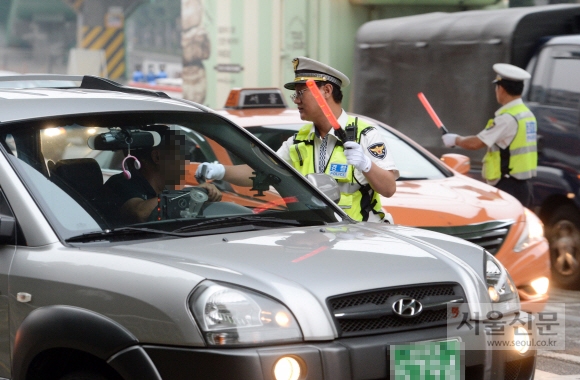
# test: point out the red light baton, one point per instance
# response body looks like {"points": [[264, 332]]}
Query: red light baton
{"points": [[338, 131], [432, 113]]}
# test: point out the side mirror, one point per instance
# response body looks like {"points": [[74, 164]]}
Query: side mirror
{"points": [[326, 184], [457, 162], [7, 229]]}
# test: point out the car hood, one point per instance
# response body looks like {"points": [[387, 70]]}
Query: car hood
{"points": [[302, 267], [452, 201]]}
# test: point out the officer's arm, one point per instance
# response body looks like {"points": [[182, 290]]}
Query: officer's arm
{"points": [[381, 180], [469, 142], [239, 175]]}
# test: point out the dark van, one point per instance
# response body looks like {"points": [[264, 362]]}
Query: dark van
{"points": [[448, 57]]}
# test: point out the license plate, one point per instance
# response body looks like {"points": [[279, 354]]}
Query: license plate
{"points": [[427, 360]]}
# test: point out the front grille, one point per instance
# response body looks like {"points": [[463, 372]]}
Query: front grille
{"points": [[371, 312], [489, 235]]}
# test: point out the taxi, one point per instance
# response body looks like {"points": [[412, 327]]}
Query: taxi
{"points": [[432, 193]]}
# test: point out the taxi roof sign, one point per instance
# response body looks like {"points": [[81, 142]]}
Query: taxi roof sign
{"points": [[243, 98]]}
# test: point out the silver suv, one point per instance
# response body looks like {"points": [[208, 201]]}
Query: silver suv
{"points": [[273, 283]]}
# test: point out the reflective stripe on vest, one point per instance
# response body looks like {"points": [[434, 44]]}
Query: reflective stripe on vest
{"points": [[520, 159], [356, 200]]}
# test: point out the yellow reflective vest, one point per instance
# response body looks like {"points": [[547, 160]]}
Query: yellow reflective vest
{"points": [[357, 200], [520, 159]]}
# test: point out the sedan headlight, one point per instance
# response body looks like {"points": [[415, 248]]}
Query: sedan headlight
{"points": [[533, 231], [500, 286], [230, 315]]}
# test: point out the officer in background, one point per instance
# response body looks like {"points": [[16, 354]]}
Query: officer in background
{"points": [[511, 158], [364, 168]]}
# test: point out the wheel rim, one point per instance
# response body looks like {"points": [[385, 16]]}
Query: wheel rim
{"points": [[565, 245]]}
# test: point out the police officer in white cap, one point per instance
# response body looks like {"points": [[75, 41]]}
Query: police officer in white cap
{"points": [[363, 168], [510, 137]]}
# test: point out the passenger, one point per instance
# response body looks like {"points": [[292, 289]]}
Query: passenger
{"points": [[374, 172], [152, 171], [510, 137]]}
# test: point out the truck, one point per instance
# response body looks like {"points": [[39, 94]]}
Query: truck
{"points": [[449, 58]]}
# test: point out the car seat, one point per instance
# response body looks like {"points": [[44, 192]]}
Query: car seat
{"points": [[82, 179]]}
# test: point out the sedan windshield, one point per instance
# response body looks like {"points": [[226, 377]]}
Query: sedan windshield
{"points": [[86, 172]]}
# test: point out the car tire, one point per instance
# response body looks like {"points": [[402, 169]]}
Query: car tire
{"points": [[563, 233], [84, 375]]}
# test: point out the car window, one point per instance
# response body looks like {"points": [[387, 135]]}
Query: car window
{"points": [[66, 162], [410, 162]]}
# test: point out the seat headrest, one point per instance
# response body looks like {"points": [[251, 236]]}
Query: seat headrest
{"points": [[81, 173]]}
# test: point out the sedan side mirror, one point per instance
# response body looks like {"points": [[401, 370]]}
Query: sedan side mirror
{"points": [[326, 184], [457, 162]]}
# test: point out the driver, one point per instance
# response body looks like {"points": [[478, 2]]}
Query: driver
{"points": [[160, 167]]}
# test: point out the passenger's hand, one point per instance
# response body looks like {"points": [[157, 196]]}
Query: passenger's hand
{"points": [[213, 194], [209, 170], [449, 139], [356, 156]]}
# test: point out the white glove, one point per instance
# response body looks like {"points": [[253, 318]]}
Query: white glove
{"points": [[208, 170], [449, 139], [356, 156]]}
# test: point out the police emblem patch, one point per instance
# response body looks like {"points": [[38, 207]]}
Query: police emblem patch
{"points": [[378, 150]]}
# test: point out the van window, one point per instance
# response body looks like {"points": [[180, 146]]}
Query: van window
{"points": [[557, 82]]}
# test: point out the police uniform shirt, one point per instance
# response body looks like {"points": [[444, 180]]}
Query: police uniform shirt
{"points": [[370, 139], [503, 131]]}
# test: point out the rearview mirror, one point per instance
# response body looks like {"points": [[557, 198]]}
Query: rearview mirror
{"points": [[120, 139], [457, 162], [326, 184]]}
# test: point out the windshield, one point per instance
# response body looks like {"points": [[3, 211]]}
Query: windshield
{"points": [[411, 163], [73, 168]]}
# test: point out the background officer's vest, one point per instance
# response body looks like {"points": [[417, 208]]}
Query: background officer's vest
{"points": [[357, 200], [520, 159]]}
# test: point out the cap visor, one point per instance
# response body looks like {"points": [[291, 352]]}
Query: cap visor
{"points": [[292, 85]]}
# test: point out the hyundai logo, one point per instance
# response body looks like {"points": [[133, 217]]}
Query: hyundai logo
{"points": [[407, 307]]}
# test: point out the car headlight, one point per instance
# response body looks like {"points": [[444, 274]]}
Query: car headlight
{"points": [[230, 315], [500, 286], [533, 231]]}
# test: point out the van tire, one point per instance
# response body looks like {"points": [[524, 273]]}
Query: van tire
{"points": [[563, 234]]}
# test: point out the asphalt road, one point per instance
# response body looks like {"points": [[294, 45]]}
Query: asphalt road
{"points": [[562, 364]]}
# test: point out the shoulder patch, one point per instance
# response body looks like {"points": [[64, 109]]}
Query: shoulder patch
{"points": [[367, 130], [378, 150]]}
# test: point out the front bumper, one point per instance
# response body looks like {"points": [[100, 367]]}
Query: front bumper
{"points": [[365, 357]]}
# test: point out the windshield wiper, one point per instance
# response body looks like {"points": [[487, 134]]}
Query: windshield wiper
{"points": [[237, 220], [118, 233]]}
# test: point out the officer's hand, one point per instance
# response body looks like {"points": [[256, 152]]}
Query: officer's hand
{"points": [[449, 139], [213, 194], [356, 157], [209, 170]]}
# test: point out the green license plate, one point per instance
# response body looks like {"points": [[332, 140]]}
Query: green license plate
{"points": [[427, 360]]}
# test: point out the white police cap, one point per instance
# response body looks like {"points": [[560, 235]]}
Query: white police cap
{"points": [[307, 68], [510, 72]]}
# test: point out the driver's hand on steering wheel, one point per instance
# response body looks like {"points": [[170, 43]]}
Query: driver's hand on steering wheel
{"points": [[213, 194]]}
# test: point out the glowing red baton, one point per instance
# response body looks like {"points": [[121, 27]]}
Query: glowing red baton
{"points": [[432, 113], [338, 131]]}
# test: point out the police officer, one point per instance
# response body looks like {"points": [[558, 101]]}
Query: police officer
{"points": [[364, 168], [510, 137]]}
